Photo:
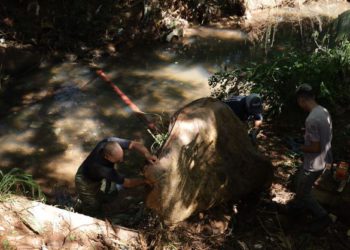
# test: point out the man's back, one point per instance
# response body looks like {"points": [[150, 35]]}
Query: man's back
{"points": [[237, 105], [318, 128], [96, 167], [246, 107]]}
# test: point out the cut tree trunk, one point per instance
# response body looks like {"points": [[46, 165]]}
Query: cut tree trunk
{"points": [[207, 159], [29, 224]]}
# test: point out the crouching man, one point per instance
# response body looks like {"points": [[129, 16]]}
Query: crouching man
{"points": [[247, 108], [99, 166]]}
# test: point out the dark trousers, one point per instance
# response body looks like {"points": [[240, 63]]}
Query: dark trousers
{"points": [[303, 198], [89, 193]]}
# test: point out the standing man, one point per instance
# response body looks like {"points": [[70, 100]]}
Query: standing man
{"points": [[99, 166], [247, 108], [316, 149]]}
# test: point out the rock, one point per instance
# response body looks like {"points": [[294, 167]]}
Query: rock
{"points": [[341, 27], [174, 35], [207, 159], [17, 61], [258, 246]]}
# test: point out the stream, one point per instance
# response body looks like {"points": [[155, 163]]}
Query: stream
{"points": [[66, 108]]}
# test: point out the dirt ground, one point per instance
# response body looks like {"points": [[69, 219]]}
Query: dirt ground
{"points": [[257, 222]]}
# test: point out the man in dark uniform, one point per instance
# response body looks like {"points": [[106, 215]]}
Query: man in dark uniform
{"points": [[247, 108], [99, 166]]}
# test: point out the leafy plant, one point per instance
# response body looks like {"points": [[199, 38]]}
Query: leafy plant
{"points": [[326, 69], [159, 139], [160, 135], [16, 181]]}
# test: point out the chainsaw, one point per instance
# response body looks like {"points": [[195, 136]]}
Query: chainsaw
{"points": [[340, 173]]}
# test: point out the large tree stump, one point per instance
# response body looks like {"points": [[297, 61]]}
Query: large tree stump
{"points": [[207, 159]]}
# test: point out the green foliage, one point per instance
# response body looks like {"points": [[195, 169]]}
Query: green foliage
{"points": [[70, 25], [161, 134], [326, 69], [159, 140], [16, 181]]}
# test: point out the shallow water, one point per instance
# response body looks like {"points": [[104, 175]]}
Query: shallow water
{"points": [[64, 109]]}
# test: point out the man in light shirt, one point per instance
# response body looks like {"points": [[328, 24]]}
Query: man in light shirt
{"points": [[316, 150]]}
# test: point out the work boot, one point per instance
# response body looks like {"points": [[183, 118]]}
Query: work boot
{"points": [[319, 224]]}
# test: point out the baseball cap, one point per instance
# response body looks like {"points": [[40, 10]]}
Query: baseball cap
{"points": [[254, 104], [304, 87]]}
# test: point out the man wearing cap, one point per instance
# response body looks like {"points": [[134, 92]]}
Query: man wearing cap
{"points": [[317, 152], [99, 166], [247, 108]]}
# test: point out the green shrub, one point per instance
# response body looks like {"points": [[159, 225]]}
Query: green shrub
{"points": [[16, 181], [326, 69]]}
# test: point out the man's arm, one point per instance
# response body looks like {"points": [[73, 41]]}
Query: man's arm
{"points": [[143, 150], [134, 182], [112, 175], [258, 120], [109, 174], [314, 147], [257, 123]]}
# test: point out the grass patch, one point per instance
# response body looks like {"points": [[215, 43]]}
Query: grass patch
{"points": [[16, 181]]}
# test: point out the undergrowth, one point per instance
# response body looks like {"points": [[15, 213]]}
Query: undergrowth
{"points": [[16, 181], [326, 69]]}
